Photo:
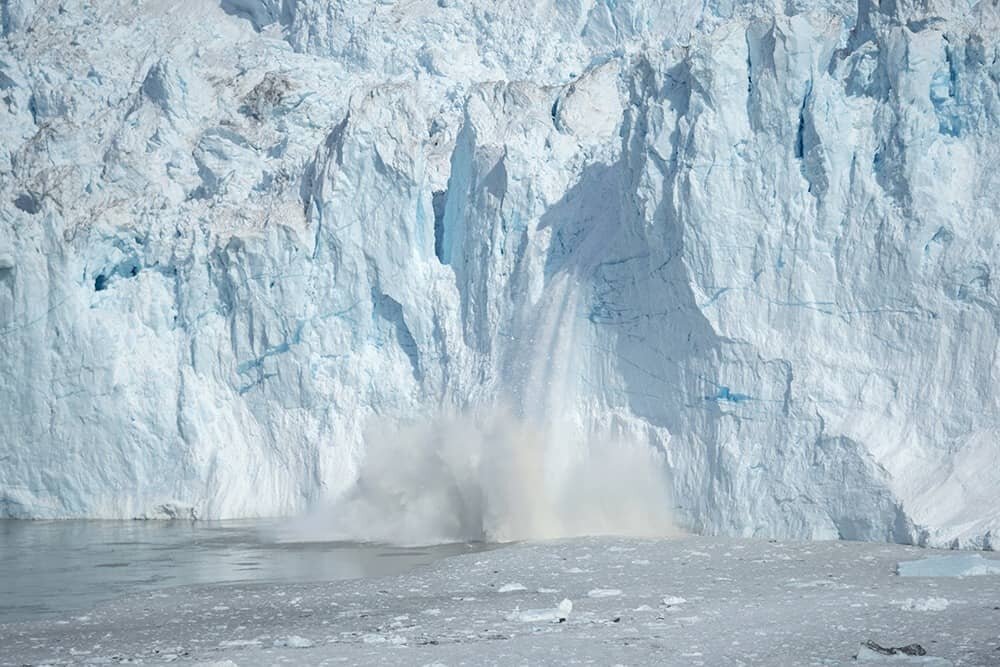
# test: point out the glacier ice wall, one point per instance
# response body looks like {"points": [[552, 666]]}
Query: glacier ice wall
{"points": [[759, 236]]}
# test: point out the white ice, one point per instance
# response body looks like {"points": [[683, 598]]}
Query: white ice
{"points": [[244, 243]]}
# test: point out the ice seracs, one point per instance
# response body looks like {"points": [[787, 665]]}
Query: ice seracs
{"points": [[759, 239]]}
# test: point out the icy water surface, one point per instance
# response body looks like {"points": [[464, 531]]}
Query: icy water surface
{"points": [[54, 567], [684, 602]]}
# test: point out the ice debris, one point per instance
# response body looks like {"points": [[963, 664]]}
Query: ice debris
{"points": [[557, 615], [293, 641]]}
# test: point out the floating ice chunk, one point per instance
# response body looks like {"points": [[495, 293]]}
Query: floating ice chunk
{"points": [[923, 604], [604, 593], [510, 588], [557, 615], [959, 565], [374, 638], [672, 600], [870, 652], [293, 641], [817, 583]]}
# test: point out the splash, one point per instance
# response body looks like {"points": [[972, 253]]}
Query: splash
{"points": [[499, 475], [496, 478]]}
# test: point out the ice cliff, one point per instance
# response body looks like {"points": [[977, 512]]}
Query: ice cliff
{"points": [[759, 236]]}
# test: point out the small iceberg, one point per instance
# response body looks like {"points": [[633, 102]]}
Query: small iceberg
{"points": [[958, 565], [557, 615]]}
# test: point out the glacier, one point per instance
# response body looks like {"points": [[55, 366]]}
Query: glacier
{"points": [[758, 236]]}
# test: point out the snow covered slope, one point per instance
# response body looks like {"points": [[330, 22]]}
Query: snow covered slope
{"points": [[759, 236]]}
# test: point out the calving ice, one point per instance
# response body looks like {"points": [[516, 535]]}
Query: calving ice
{"points": [[245, 244]]}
